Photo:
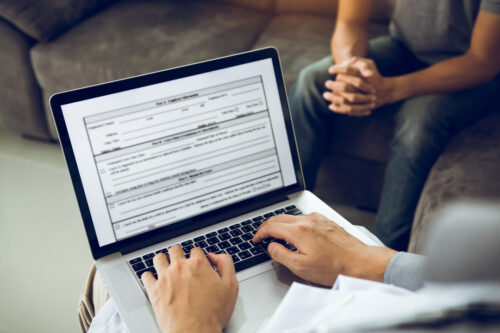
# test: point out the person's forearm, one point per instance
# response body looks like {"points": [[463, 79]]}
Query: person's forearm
{"points": [[348, 40], [455, 74]]}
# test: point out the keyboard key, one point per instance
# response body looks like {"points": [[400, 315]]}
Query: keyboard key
{"points": [[211, 234], [162, 251], [256, 250], [235, 226], [244, 255], [213, 240], [247, 228], [213, 249], [246, 237], [258, 259], [187, 248], [223, 230], [244, 246], [201, 244], [268, 215], [139, 266], [148, 256], [219, 252], [135, 261], [232, 250], [279, 211], [224, 236], [236, 232], [294, 212], [247, 222], [236, 240], [290, 207], [290, 247], [258, 218], [187, 242], [235, 258], [151, 269], [224, 245], [256, 225], [199, 238], [149, 262]]}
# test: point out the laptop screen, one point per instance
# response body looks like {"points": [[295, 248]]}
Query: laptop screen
{"points": [[159, 154]]}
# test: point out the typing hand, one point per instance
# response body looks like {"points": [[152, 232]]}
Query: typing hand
{"points": [[325, 249], [189, 295]]}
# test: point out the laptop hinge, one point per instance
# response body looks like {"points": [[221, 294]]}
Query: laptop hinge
{"points": [[224, 216]]}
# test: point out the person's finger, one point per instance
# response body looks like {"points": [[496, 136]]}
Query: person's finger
{"points": [[343, 65], [276, 230], [160, 262], [333, 98], [339, 86], [175, 253], [356, 98], [365, 68], [345, 70], [357, 82], [352, 108], [197, 252], [224, 264], [148, 280], [283, 255]]}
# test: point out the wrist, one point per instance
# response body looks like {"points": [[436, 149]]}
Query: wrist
{"points": [[400, 88], [371, 263]]}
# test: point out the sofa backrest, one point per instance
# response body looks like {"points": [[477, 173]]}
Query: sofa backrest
{"points": [[381, 12], [43, 20]]}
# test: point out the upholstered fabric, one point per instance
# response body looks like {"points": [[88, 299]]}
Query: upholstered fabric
{"points": [[20, 108], [468, 168], [381, 11], [300, 40], [264, 5], [136, 37], [45, 19]]}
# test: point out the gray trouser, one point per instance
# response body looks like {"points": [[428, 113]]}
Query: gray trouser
{"points": [[424, 125]]}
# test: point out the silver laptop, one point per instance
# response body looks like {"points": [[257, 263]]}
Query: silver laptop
{"points": [[198, 155]]}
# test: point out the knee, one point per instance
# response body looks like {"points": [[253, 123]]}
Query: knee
{"points": [[419, 133]]}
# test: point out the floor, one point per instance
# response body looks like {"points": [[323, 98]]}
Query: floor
{"points": [[45, 253]]}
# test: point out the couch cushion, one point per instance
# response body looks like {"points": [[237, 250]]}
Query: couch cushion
{"points": [[45, 19], [134, 37], [304, 39], [381, 12], [265, 5], [21, 106], [467, 169], [300, 40]]}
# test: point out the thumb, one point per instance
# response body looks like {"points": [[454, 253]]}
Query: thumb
{"points": [[224, 265], [366, 70], [283, 255]]}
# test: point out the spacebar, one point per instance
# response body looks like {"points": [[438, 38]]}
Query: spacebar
{"points": [[239, 266]]}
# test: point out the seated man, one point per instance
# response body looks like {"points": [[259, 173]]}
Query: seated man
{"points": [[190, 296], [436, 69]]}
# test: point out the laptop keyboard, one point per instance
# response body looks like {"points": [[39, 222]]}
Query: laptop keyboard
{"points": [[235, 240]]}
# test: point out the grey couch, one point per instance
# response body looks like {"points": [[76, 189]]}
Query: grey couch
{"points": [[50, 46]]}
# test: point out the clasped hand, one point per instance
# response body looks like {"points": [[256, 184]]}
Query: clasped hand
{"points": [[359, 88]]}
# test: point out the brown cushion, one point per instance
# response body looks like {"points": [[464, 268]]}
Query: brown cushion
{"points": [[381, 11], [45, 19], [136, 37], [265, 5]]}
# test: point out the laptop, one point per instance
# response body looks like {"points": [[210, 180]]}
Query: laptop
{"points": [[198, 155]]}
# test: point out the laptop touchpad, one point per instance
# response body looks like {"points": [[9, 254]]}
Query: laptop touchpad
{"points": [[258, 297]]}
